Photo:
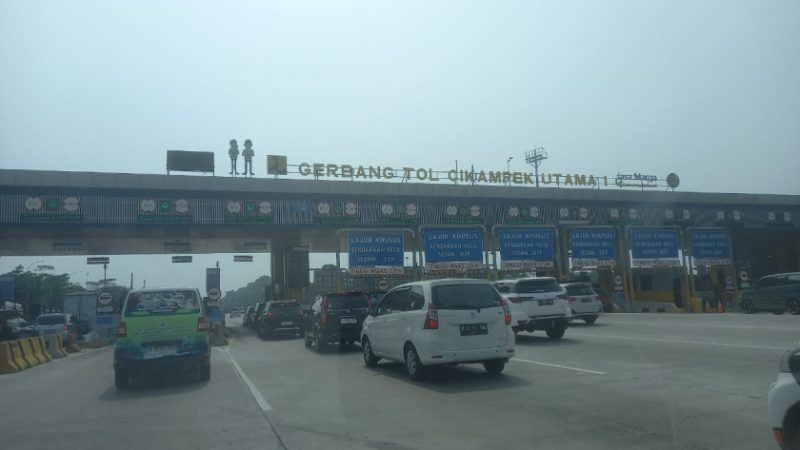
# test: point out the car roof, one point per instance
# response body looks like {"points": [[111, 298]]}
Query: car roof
{"points": [[53, 314], [516, 280], [447, 281], [136, 291], [578, 283]]}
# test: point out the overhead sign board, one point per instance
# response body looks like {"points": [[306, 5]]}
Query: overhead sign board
{"points": [[372, 253], [242, 258], [453, 248], [182, 259], [97, 260], [593, 247], [654, 247], [710, 247], [185, 161], [523, 248]]}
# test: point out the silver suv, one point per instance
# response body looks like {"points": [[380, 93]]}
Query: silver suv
{"points": [[776, 293]]}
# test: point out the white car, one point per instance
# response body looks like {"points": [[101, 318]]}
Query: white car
{"points": [[435, 322], [537, 303], [583, 301], [55, 323], [784, 401]]}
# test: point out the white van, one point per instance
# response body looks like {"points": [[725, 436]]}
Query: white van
{"points": [[436, 322]]}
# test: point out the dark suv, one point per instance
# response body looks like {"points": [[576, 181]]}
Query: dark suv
{"points": [[777, 293], [336, 317], [280, 317]]}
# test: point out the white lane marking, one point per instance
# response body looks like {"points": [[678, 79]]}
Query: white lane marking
{"points": [[559, 366], [682, 342], [257, 396]]}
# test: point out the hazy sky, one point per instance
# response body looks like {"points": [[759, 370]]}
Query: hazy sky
{"points": [[707, 89]]}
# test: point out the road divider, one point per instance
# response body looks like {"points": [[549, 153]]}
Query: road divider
{"points": [[8, 363], [39, 349], [55, 346], [27, 352]]}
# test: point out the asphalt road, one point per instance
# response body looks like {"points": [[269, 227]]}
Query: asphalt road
{"points": [[632, 381]]}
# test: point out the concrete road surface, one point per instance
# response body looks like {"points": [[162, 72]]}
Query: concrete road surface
{"points": [[631, 381]]}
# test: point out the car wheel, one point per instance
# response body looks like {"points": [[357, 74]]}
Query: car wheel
{"points": [[205, 372], [590, 320], [747, 307], [494, 366], [319, 346], [414, 367], [370, 360], [121, 379], [306, 340], [556, 333], [793, 306]]}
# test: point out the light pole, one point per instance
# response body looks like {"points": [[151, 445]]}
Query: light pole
{"points": [[508, 168], [535, 157]]}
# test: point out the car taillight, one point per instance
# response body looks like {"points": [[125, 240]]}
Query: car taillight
{"points": [[432, 318], [268, 314], [506, 313], [202, 325], [571, 299], [122, 330], [323, 318]]}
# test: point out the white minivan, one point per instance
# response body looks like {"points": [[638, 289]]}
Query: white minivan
{"points": [[537, 303], [436, 322]]}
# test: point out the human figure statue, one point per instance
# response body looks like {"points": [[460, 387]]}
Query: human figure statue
{"points": [[233, 152], [248, 154]]}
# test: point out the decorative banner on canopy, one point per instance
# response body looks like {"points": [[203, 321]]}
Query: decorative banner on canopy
{"points": [[654, 247], [710, 247], [453, 248], [526, 248], [375, 254], [593, 247]]}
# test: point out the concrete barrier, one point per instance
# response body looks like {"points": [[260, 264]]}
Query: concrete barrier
{"points": [[7, 362], [27, 352], [16, 352], [55, 346], [39, 349]]}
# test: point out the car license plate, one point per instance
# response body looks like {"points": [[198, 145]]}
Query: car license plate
{"points": [[546, 302], [287, 323], [348, 320], [474, 329], [154, 351], [586, 300]]}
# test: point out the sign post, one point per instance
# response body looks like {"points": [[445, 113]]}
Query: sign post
{"points": [[375, 254], [526, 248], [453, 249]]}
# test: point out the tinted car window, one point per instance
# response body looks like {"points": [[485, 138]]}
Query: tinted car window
{"points": [[50, 320], [579, 290], [537, 286], [393, 302], [416, 298], [465, 296], [284, 306], [153, 302], [347, 301]]}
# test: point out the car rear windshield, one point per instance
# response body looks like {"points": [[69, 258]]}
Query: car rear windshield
{"points": [[283, 306], [50, 320], [579, 290], [347, 301], [537, 286], [159, 302], [465, 296]]}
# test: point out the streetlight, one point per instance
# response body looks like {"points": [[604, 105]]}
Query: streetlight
{"points": [[508, 168], [535, 157]]}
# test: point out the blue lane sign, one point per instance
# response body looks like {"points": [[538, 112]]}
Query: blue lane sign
{"points": [[654, 247], [522, 248], [593, 246], [710, 247], [372, 253], [453, 248]]}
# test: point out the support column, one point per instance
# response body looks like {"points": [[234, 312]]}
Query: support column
{"points": [[279, 246]]}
